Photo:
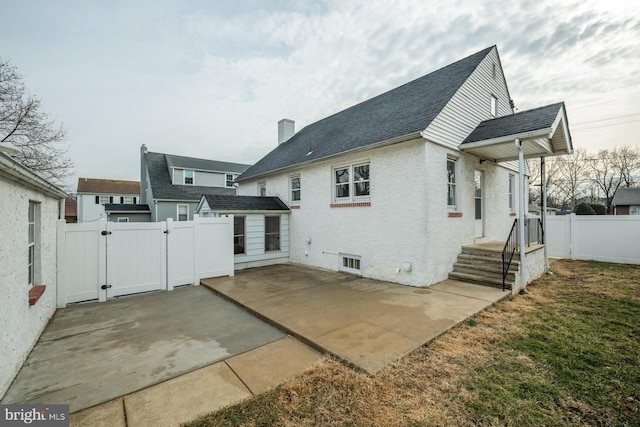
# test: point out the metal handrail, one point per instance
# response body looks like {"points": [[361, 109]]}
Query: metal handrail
{"points": [[508, 251]]}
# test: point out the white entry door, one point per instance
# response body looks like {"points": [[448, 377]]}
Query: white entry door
{"points": [[479, 204]]}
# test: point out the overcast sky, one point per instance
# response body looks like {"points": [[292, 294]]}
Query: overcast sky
{"points": [[211, 78]]}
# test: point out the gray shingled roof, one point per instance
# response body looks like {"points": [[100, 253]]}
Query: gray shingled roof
{"points": [[626, 196], [245, 203], [125, 207], [163, 189], [513, 124], [174, 161], [399, 112]]}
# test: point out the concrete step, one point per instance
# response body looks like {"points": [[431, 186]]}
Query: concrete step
{"points": [[485, 270], [466, 250], [480, 280], [480, 260]]}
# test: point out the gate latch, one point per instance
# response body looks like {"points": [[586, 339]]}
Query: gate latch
{"points": [[105, 286], [105, 232]]}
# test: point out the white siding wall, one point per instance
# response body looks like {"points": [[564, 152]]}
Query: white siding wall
{"points": [[88, 210], [254, 243], [21, 324], [471, 104], [407, 221]]}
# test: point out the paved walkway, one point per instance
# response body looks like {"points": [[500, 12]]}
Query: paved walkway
{"points": [[365, 322]]}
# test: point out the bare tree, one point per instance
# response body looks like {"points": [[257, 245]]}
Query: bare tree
{"points": [[572, 171], [607, 175], [627, 161], [22, 123]]}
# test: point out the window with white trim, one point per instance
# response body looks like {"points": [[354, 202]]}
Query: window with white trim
{"points": [[494, 106], [238, 234], [512, 186], [295, 190], [350, 264], [129, 200], [33, 234], [493, 70], [183, 212], [188, 177], [262, 189], [272, 233], [123, 219], [451, 184], [634, 209], [351, 183], [229, 180], [101, 200]]}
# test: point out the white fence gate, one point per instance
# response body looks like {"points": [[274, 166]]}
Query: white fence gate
{"points": [[594, 237], [102, 260]]}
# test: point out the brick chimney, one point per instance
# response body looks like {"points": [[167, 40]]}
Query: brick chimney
{"points": [[286, 129]]}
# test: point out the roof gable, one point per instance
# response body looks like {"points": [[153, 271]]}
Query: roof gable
{"points": [[402, 111], [108, 186]]}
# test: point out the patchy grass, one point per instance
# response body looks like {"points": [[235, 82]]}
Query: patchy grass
{"points": [[565, 354]]}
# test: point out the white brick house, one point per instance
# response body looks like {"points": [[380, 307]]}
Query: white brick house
{"points": [[387, 189], [29, 207]]}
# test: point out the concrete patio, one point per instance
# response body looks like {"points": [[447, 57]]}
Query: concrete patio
{"points": [[365, 322]]}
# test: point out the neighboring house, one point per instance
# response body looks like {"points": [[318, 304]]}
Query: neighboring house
{"points": [[71, 210], [173, 185], [127, 212], [626, 201], [94, 194], [29, 207], [260, 227], [393, 187]]}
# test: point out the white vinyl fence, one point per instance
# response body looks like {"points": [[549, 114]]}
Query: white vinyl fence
{"points": [[594, 237], [102, 260]]}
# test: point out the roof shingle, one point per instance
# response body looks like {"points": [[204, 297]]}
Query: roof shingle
{"points": [[626, 196], [108, 186], [245, 203]]}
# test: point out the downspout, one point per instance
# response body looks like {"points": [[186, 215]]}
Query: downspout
{"points": [[521, 215], [543, 194]]}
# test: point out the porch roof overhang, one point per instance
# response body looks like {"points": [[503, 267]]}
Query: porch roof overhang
{"points": [[543, 132]]}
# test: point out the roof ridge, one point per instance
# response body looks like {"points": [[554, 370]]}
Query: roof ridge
{"points": [[195, 158]]}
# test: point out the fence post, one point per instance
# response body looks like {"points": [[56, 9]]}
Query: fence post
{"points": [[232, 264], [572, 218], [61, 264], [196, 253], [168, 246], [101, 226]]}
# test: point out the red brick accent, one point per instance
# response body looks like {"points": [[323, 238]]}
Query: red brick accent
{"points": [[349, 205], [455, 214], [35, 293], [294, 207], [513, 214]]}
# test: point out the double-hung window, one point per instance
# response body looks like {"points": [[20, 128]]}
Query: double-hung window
{"points": [[101, 200], [295, 190], [33, 236], [351, 183], [229, 180], [238, 234], [494, 106], [188, 177], [262, 189], [451, 184], [272, 233], [183, 212], [129, 200]]}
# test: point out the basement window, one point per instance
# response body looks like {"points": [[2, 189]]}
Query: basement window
{"points": [[350, 264]]}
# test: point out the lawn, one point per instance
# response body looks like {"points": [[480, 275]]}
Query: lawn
{"points": [[567, 353]]}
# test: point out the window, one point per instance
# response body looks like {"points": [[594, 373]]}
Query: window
{"points": [[271, 233], [262, 189], [295, 189], [129, 200], [493, 70], [634, 210], [350, 264], [123, 219], [183, 212], [238, 234], [32, 242], [494, 106], [101, 200], [351, 182], [512, 186], [229, 180], [188, 177], [451, 184]]}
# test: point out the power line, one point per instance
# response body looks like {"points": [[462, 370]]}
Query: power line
{"points": [[611, 124], [604, 120]]}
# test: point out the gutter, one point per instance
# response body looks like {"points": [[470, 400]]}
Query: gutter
{"points": [[544, 133], [19, 173], [404, 138]]}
